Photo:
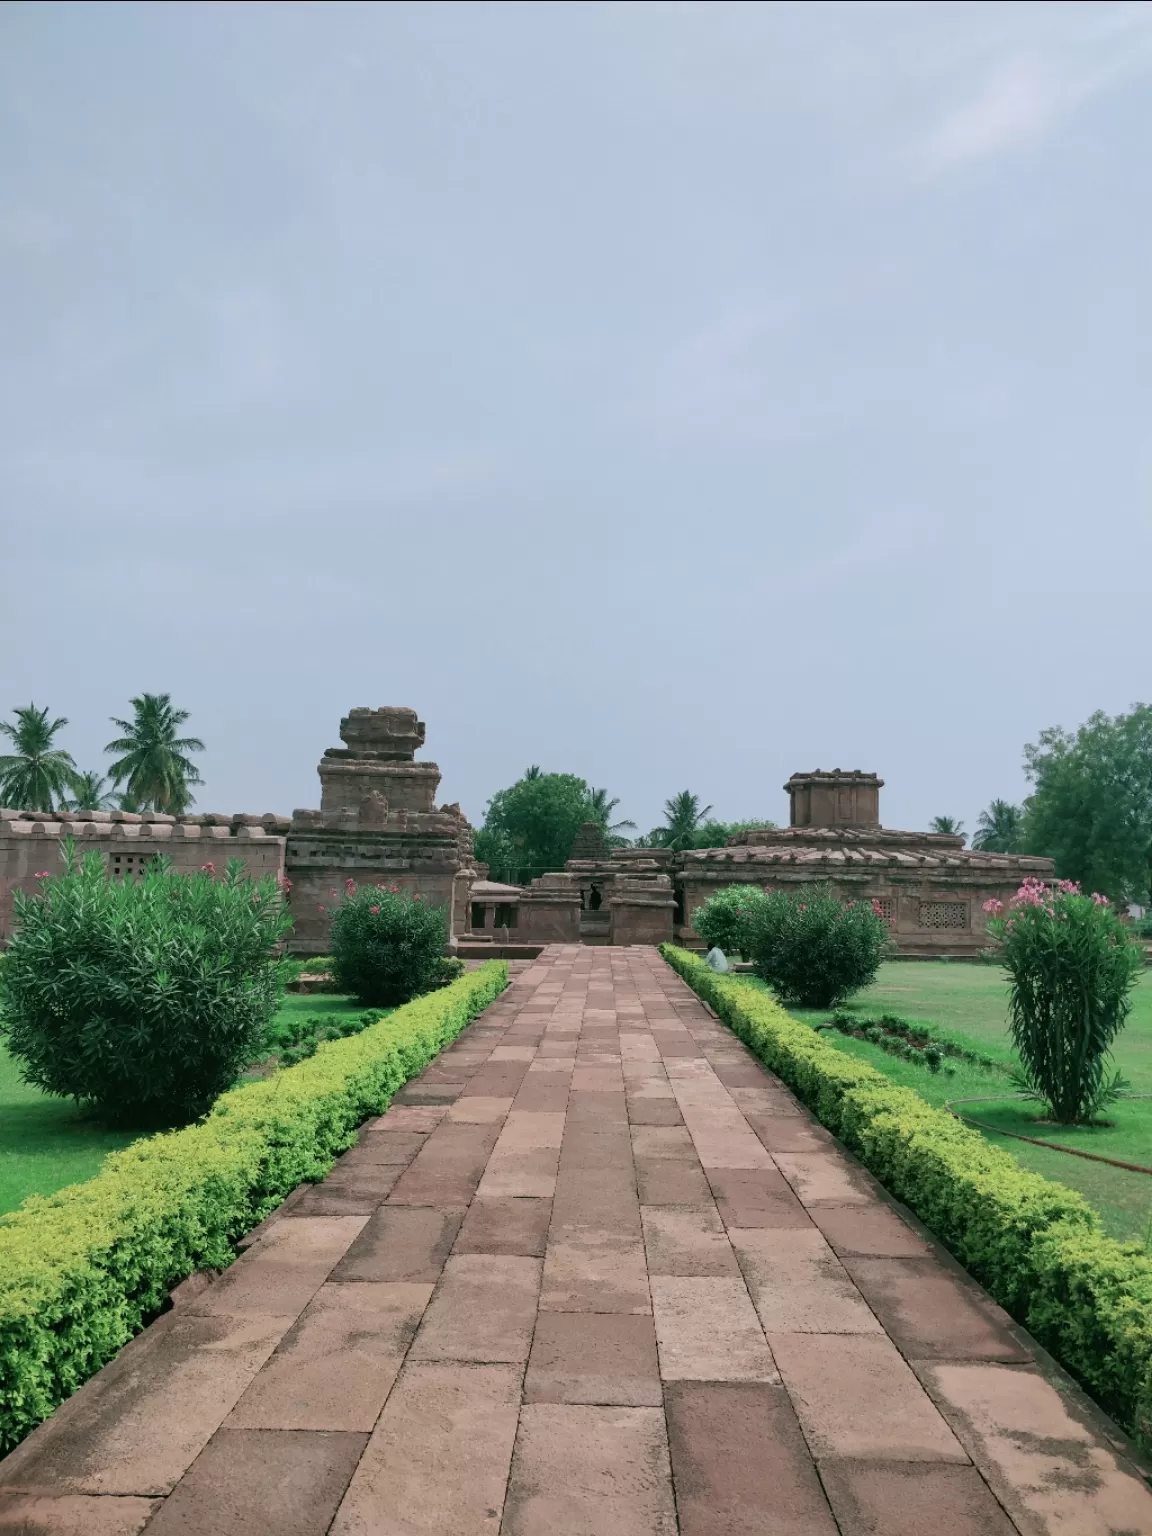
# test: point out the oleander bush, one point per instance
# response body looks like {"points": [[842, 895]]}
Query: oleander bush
{"points": [[81, 1271], [143, 997], [723, 921], [1036, 1246], [1071, 968], [812, 949], [387, 946]]}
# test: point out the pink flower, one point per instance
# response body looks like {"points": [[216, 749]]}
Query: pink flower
{"points": [[321, 909], [993, 906], [416, 897], [1101, 901], [42, 874], [207, 869], [333, 893], [395, 890], [350, 885], [373, 909]]}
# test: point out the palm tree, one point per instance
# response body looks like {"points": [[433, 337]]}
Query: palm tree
{"points": [[1000, 829], [534, 772], [947, 824], [91, 792], [37, 771], [156, 774], [683, 815], [598, 808]]}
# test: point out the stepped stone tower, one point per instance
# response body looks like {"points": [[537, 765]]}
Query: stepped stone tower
{"points": [[378, 824]]}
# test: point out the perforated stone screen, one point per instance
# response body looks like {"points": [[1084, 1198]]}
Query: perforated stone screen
{"points": [[943, 914], [883, 906]]}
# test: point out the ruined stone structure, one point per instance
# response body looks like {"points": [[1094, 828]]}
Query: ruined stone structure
{"points": [[377, 824], [33, 841], [928, 885]]}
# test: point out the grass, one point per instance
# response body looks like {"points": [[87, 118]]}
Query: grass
{"points": [[969, 1004], [47, 1143]]}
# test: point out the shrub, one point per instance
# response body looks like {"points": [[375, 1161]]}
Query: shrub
{"points": [[723, 920], [294, 1039], [1071, 969], [81, 1271], [143, 997], [813, 950], [1035, 1245], [387, 947]]}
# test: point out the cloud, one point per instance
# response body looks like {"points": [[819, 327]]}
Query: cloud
{"points": [[1022, 99]]}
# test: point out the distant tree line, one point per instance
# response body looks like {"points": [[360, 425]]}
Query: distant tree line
{"points": [[150, 771]]}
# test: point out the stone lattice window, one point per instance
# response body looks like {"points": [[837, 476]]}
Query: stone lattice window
{"points": [[943, 914], [884, 905], [121, 864]]}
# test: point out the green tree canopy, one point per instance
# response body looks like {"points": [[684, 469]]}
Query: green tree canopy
{"points": [[153, 767], [999, 829], [37, 773], [684, 818], [91, 792], [947, 824], [598, 807], [530, 827], [1091, 808]]}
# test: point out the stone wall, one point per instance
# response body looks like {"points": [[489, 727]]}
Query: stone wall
{"points": [[33, 841]]}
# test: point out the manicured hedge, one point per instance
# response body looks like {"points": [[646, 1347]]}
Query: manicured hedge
{"points": [[1036, 1246], [81, 1271]]}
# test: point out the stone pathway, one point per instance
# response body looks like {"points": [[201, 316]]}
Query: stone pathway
{"points": [[596, 1273]]}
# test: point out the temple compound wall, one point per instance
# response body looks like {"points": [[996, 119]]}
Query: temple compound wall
{"points": [[377, 824]]}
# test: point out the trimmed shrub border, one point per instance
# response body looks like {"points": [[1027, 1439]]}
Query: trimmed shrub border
{"points": [[83, 1270], [1036, 1246]]}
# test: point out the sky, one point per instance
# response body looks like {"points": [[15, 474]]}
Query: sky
{"points": [[679, 395]]}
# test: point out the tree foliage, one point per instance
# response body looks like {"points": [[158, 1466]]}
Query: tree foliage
{"points": [[812, 949], [38, 774], [153, 766], [1091, 808], [387, 946], [529, 828], [999, 829], [946, 824], [144, 997], [91, 792], [1071, 969], [598, 808]]}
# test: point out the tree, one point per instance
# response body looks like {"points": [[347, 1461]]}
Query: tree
{"points": [[598, 808], [530, 827], [999, 829], [1091, 808], [91, 792], [683, 818], [37, 773], [155, 772], [717, 834], [946, 824]]}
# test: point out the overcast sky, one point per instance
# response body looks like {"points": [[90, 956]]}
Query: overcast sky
{"points": [[679, 395]]}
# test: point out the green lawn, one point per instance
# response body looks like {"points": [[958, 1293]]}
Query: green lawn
{"points": [[969, 1002], [46, 1143]]}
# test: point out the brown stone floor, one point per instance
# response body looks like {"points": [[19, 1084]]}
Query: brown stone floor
{"points": [[596, 1273]]}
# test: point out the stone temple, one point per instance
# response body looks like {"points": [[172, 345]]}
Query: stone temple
{"points": [[378, 823]]}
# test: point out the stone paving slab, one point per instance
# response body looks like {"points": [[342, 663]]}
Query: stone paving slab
{"points": [[595, 1273]]}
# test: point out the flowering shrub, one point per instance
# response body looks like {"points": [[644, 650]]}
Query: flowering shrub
{"points": [[723, 920], [387, 947], [1071, 969], [143, 997], [812, 949]]}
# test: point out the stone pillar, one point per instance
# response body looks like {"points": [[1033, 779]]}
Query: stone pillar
{"points": [[642, 908]]}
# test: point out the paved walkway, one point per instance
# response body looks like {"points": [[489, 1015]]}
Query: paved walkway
{"points": [[596, 1273]]}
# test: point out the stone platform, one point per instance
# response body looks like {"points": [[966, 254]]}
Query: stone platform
{"points": [[595, 1273]]}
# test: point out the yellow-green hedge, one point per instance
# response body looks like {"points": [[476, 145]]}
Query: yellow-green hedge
{"points": [[81, 1271], [1036, 1246]]}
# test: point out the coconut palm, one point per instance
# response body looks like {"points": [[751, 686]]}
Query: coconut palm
{"points": [[1000, 829], [37, 772], [92, 792], [683, 818], [154, 770], [947, 824], [599, 808]]}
